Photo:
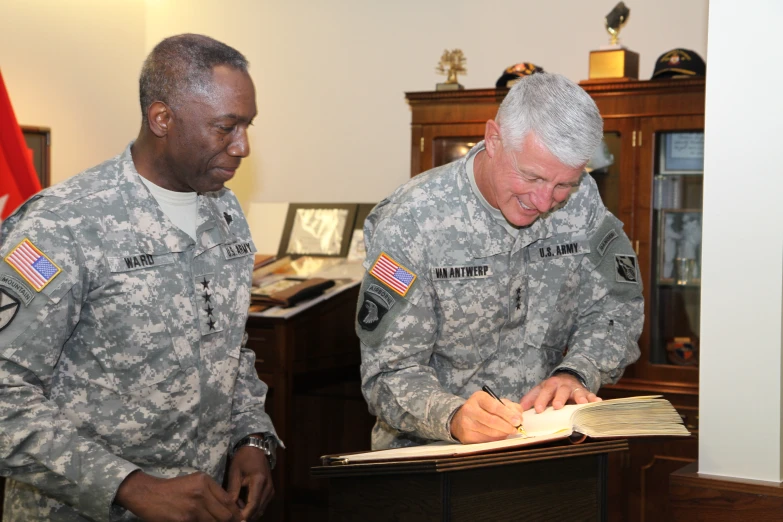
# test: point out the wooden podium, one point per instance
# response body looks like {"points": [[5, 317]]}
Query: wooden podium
{"points": [[556, 482]]}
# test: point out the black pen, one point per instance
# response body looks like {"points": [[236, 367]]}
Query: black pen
{"points": [[489, 391]]}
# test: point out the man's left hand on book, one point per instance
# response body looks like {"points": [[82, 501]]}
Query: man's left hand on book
{"points": [[557, 391]]}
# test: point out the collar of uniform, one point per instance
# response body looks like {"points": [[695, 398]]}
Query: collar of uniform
{"points": [[212, 228], [155, 233]]}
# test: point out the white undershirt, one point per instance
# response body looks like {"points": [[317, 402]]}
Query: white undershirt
{"points": [[180, 207], [494, 212]]}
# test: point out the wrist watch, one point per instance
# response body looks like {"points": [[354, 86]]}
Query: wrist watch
{"points": [[574, 373], [266, 444]]}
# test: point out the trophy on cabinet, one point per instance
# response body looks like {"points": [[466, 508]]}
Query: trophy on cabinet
{"points": [[451, 63], [614, 62]]}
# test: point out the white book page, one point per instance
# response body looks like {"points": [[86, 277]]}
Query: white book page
{"points": [[446, 449], [550, 420]]}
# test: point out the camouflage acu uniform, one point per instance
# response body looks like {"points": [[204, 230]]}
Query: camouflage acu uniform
{"points": [[128, 358], [486, 306]]}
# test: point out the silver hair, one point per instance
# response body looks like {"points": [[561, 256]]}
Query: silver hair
{"points": [[557, 111], [183, 64]]}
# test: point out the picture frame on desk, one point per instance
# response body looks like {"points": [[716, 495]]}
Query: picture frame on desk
{"points": [[318, 229], [682, 153]]}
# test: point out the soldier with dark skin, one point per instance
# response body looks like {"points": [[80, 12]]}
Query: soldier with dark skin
{"points": [[123, 375]]}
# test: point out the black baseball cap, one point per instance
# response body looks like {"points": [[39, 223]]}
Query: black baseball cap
{"points": [[512, 74], [679, 62]]}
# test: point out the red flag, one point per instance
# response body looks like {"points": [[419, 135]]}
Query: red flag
{"points": [[18, 180]]}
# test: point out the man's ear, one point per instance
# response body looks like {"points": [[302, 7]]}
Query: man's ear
{"points": [[159, 116], [492, 141]]}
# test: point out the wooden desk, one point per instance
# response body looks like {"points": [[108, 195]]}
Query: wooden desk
{"points": [[555, 482], [311, 364]]}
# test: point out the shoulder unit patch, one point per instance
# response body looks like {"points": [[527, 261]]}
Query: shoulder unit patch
{"points": [[377, 302], [9, 305], [626, 269]]}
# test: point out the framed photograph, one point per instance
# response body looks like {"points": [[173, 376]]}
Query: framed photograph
{"points": [[318, 229], [679, 247], [682, 153], [274, 287]]}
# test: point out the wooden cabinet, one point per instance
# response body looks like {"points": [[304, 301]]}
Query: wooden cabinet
{"points": [[311, 364], [654, 132]]}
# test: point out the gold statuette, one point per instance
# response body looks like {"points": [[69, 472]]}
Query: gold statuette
{"points": [[451, 63], [614, 62], [615, 20]]}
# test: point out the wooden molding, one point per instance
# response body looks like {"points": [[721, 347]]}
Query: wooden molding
{"points": [[657, 459], [661, 387], [696, 497]]}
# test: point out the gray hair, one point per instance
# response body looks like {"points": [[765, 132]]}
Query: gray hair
{"points": [[559, 112], [183, 64]]}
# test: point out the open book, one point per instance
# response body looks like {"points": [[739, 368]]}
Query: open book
{"points": [[616, 418]]}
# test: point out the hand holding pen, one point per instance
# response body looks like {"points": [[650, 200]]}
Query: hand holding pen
{"points": [[484, 418], [518, 427]]}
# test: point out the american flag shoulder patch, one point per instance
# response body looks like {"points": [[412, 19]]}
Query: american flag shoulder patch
{"points": [[392, 274], [32, 264]]}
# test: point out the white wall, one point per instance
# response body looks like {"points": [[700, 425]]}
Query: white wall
{"points": [[742, 282], [331, 76], [333, 122], [73, 65]]}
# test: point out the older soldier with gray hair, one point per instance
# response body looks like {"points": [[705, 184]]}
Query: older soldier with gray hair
{"points": [[502, 269], [125, 387]]}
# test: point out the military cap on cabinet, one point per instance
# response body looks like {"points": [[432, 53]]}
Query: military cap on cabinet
{"points": [[679, 62], [512, 74]]}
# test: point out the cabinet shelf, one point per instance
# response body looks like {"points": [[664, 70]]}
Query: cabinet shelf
{"points": [[691, 285]]}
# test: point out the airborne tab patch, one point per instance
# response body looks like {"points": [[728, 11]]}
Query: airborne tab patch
{"points": [[32, 264], [377, 302], [606, 241], [392, 274]]}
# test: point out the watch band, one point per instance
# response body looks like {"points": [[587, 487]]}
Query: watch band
{"points": [[265, 444], [576, 374]]}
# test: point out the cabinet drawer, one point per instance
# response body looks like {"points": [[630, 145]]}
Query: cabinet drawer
{"points": [[264, 341]]}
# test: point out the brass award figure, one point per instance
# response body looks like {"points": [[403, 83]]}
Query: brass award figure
{"points": [[614, 62], [615, 20], [451, 63]]}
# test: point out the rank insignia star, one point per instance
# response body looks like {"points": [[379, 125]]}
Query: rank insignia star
{"points": [[205, 283], [209, 310], [207, 297], [228, 217], [211, 324]]}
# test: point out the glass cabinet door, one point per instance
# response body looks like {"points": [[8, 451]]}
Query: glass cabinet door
{"points": [[675, 179], [676, 246], [436, 145], [451, 148], [612, 167]]}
